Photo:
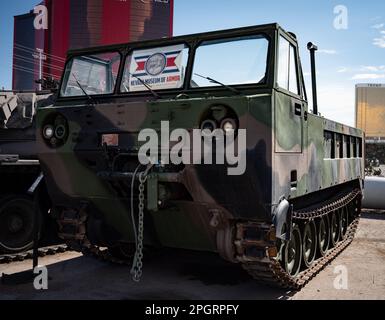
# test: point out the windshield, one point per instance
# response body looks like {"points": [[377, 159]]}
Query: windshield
{"points": [[93, 74], [236, 61], [223, 62]]}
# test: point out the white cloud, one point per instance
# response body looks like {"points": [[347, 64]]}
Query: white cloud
{"points": [[342, 70], [376, 18], [337, 102], [327, 51], [379, 42], [383, 31], [372, 68], [378, 26], [368, 76]]}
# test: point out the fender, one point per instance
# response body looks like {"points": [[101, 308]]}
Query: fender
{"points": [[282, 219]]}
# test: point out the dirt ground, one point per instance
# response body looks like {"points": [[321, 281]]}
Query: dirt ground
{"points": [[173, 274]]}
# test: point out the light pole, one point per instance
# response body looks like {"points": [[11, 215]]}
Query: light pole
{"points": [[42, 57]]}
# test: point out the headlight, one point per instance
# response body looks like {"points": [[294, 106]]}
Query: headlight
{"points": [[228, 125], [209, 125], [48, 132], [55, 131], [60, 132]]}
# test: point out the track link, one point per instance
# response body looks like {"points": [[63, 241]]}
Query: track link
{"points": [[258, 256], [28, 255]]}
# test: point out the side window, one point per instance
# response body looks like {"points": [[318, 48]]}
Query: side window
{"points": [[359, 148], [339, 146], [329, 145], [353, 142], [287, 67], [347, 149], [293, 81]]}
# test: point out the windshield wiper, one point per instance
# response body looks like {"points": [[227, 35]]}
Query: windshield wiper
{"points": [[84, 91], [156, 96], [220, 83]]}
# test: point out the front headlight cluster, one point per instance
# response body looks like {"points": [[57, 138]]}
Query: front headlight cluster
{"points": [[55, 133], [226, 125]]}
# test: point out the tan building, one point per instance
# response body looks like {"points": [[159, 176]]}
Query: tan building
{"points": [[370, 117], [370, 110]]}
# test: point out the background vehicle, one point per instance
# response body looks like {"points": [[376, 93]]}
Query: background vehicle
{"points": [[20, 171], [293, 210]]}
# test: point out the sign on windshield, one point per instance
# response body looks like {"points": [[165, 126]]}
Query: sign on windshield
{"points": [[160, 68]]}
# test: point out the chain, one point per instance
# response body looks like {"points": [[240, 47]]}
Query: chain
{"points": [[137, 268]]}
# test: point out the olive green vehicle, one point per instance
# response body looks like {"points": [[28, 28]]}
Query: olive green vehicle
{"points": [[292, 209]]}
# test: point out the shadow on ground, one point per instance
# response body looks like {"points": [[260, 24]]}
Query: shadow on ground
{"points": [[373, 215], [168, 274]]}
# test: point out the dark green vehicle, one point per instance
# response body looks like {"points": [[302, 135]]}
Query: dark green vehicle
{"points": [[132, 154], [21, 174]]}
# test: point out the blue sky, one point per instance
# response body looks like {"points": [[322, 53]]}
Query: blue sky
{"points": [[346, 57]]}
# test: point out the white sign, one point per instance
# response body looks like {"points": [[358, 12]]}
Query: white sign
{"points": [[370, 85], [159, 68]]}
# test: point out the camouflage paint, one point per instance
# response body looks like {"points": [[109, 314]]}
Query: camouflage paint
{"points": [[278, 142]]}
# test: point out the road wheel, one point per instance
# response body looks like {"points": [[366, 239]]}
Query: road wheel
{"points": [[323, 235], [309, 243], [335, 227], [17, 219], [292, 257], [344, 217]]}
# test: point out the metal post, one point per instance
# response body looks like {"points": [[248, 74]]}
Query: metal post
{"points": [[42, 57], [313, 48]]}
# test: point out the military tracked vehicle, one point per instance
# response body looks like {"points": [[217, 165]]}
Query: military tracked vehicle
{"points": [[283, 206], [20, 170]]}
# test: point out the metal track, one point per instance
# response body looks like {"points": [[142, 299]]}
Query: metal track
{"points": [[262, 265], [265, 267], [28, 255]]}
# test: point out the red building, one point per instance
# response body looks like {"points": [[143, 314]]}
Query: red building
{"points": [[83, 23]]}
